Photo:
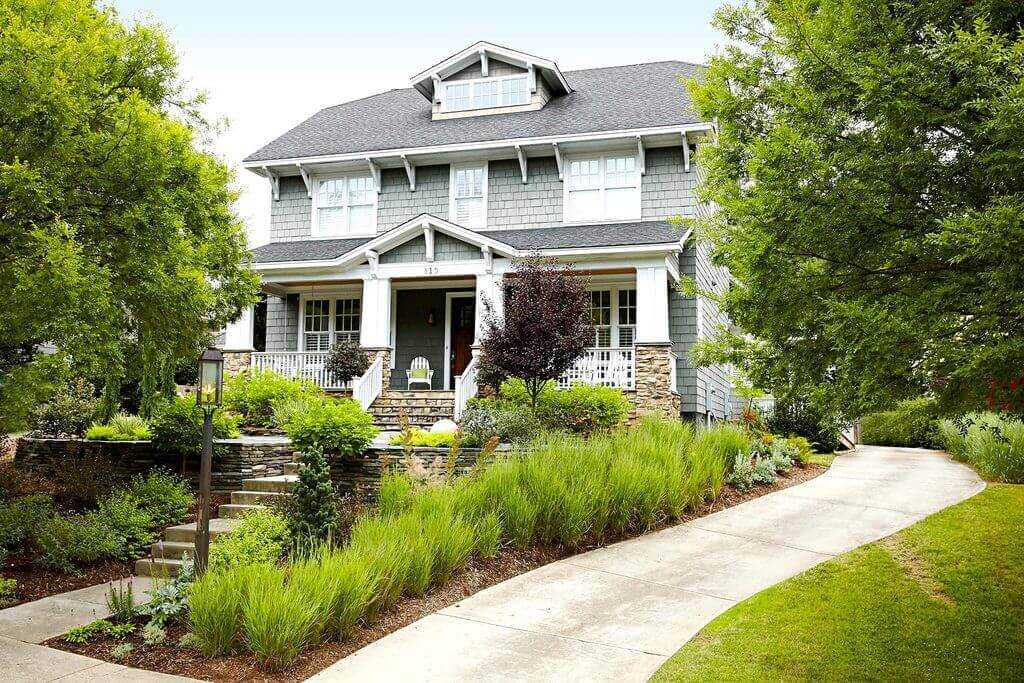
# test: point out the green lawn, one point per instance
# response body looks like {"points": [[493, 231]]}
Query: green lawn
{"points": [[823, 459], [941, 600]]}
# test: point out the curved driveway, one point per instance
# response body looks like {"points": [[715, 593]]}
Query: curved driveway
{"points": [[617, 613]]}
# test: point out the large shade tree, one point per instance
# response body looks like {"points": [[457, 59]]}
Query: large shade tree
{"points": [[544, 329], [117, 235], [870, 177]]}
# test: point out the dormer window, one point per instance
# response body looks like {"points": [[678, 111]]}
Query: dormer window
{"points": [[482, 93]]}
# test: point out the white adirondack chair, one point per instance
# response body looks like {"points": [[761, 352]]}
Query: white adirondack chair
{"points": [[419, 372]]}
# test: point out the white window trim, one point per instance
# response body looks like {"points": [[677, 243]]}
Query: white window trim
{"points": [[315, 218], [473, 82], [602, 163], [614, 327], [332, 306], [451, 190]]}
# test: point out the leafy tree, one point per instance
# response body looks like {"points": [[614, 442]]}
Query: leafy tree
{"points": [[313, 509], [868, 173], [545, 329], [116, 228], [347, 361]]}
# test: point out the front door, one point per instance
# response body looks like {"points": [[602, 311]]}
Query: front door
{"points": [[463, 324]]}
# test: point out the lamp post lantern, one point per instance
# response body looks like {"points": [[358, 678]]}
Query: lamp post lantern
{"points": [[208, 397]]}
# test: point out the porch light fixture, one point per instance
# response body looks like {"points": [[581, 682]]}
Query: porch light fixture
{"points": [[208, 397], [430, 318]]}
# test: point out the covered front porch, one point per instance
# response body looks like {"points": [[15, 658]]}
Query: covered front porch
{"points": [[417, 306]]}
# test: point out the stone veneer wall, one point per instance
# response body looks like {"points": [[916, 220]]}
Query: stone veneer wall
{"points": [[654, 369], [233, 459], [360, 477], [385, 351], [236, 361]]}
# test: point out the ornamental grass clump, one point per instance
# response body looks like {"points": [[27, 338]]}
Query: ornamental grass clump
{"points": [[991, 443], [215, 606], [277, 620]]}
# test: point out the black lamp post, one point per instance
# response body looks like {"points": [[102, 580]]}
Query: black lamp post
{"points": [[208, 397]]}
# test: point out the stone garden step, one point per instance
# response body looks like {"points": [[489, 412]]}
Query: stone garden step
{"points": [[236, 511], [172, 550], [157, 567], [279, 484], [187, 532], [291, 468], [256, 498]]}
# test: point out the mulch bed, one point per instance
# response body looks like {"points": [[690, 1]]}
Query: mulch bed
{"points": [[480, 574], [35, 582]]}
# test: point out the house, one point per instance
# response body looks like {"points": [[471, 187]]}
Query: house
{"points": [[394, 217]]}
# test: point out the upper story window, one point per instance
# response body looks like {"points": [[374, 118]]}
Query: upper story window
{"points": [[481, 93], [468, 203], [602, 188], [344, 205]]}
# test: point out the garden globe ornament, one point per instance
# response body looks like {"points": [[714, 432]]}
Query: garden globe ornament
{"points": [[446, 426], [208, 395]]}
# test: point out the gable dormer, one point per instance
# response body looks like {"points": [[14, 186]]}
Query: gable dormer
{"points": [[489, 79]]}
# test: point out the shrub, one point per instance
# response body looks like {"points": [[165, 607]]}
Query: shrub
{"points": [[178, 426], [165, 497], [991, 443], [347, 361], [68, 541], [7, 591], [803, 419], [421, 437], [338, 427], [82, 481], [168, 600], [67, 413], [313, 508], [122, 427], [255, 394], [128, 523], [764, 471], [153, 634], [486, 418], [20, 519], [742, 474], [802, 447], [911, 424], [121, 652], [285, 411], [583, 408], [261, 537]]}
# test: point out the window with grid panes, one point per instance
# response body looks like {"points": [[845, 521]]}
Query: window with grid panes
{"points": [[346, 320], [468, 185], [603, 188], [317, 325], [627, 317], [601, 316]]}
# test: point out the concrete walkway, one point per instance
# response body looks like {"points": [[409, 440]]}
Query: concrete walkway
{"points": [[24, 626], [617, 613]]}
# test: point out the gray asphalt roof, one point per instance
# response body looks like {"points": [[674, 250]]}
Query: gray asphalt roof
{"points": [[610, 98], [559, 237]]}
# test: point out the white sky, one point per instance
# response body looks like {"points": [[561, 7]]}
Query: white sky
{"points": [[266, 66]]}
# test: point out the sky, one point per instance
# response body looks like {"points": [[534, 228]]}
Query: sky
{"points": [[267, 66]]}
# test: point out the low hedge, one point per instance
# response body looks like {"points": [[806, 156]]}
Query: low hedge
{"points": [[911, 424]]}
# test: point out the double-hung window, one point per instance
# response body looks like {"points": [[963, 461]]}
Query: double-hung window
{"points": [[326, 322], [469, 196], [345, 205], [613, 314], [482, 93], [603, 188]]}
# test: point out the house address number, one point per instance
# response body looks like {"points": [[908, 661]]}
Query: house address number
{"points": [[431, 270]]}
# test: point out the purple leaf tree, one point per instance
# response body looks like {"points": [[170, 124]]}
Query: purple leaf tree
{"points": [[545, 329]]}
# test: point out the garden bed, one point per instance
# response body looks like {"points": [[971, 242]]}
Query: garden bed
{"points": [[478, 575]]}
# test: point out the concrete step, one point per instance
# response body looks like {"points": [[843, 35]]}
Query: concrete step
{"points": [[158, 567], [292, 468], [279, 484], [256, 497], [236, 511], [187, 532], [172, 550]]}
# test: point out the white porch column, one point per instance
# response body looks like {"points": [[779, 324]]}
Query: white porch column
{"points": [[238, 335], [489, 289], [652, 305], [375, 327]]}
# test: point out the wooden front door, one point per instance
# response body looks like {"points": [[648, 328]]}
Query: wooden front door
{"points": [[463, 323]]}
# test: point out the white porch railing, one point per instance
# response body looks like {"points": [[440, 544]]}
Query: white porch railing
{"points": [[608, 367], [465, 387], [673, 379], [367, 388], [308, 364]]}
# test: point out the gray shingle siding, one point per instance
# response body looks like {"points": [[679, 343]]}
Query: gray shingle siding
{"points": [[413, 337], [513, 204], [396, 204], [290, 215], [283, 323], [447, 248], [495, 67], [667, 189], [413, 251]]}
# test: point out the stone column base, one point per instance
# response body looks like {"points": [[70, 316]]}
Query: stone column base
{"points": [[654, 369], [236, 362], [385, 351]]}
